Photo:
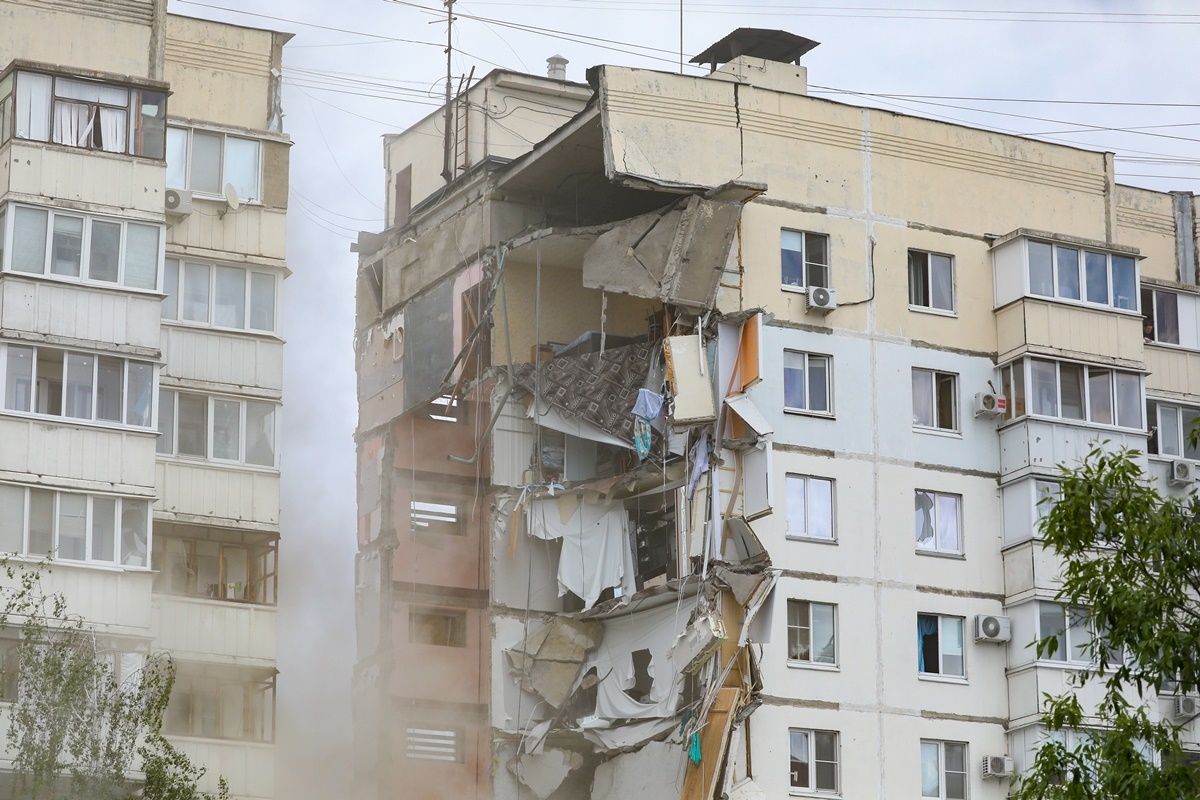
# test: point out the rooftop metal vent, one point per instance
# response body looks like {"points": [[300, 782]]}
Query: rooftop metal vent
{"points": [[757, 43]]}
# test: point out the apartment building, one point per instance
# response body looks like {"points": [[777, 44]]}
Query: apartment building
{"points": [[143, 201], [701, 442]]}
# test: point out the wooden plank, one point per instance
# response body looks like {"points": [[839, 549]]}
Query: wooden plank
{"points": [[700, 779]]}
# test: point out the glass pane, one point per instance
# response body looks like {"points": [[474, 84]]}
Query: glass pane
{"points": [[823, 638], [110, 377], [922, 397], [791, 244], [262, 301], [796, 504], [177, 158], [12, 518], [170, 304], [193, 425], [799, 633], [104, 529], [1169, 437], [1052, 622], [140, 392], [260, 433], [1124, 282], [794, 394], [141, 256], [1018, 395], [1045, 387], [1100, 395], [928, 648], [105, 249], [111, 132], [820, 512], [3, 213], [135, 530], [241, 167], [72, 526], [1166, 316], [227, 421], [1188, 425], [956, 757], [1041, 269], [232, 700], [1096, 269], [947, 402], [918, 279], [1080, 635], [818, 383], [149, 124], [29, 240], [941, 271], [1068, 272], [956, 786], [32, 114], [206, 163], [77, 401], [67, 246], [825, 752], [1129, 400], [947, 523], [41, 522], [237, 572], [49, 382], [18, 379], [924, 518], [799, 759], [229, 297], [816, 259], [91, 92], [952, 646], [195, 292], [166, 422], [930, 770], [1071, 377]]}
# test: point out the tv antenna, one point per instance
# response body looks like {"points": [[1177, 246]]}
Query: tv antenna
{"points": [[448, 173]]}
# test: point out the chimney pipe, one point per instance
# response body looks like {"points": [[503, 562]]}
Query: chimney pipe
{"points": [[556, 68]]}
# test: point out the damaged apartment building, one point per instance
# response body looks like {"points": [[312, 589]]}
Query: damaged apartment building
{"points": [[700, 441]]}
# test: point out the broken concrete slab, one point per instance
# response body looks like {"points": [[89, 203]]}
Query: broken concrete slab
{"points": [[549, 659], [653, 773], [543, 773]]}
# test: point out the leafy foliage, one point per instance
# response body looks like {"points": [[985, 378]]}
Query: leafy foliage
{"points": [[77, 728], [1131, 556]]}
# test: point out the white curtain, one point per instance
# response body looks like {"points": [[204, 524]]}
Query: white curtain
{"points": [[33, 106], [113, 130], [72, 124]]}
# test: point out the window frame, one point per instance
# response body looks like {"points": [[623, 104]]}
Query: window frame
{"points": [[89, 529], [806, 246], [1075, 618], [1182, 412], [941, 674], [171, 395], [806, 535], [456, 625], [262, 567], [1083, 251], [943, 771], [430, 515], [1017, 382], [454, 734], [935, 550], [811, 661], [174, 265], [807, 377], [811, 787], [955, 414], [928, 267], [210, 677], [1151, 315], [224, 178]]}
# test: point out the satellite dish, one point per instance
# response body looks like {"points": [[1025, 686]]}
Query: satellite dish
{"points": [[231, 197]]}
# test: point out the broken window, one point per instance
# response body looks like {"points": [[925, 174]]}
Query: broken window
{"points": [[937, 522], [804, 258], [215, 563], [940, 645], [812, 634], [930, 281], [429, 743], [814, 760], [643, 681], [221, 703], [446, 409], [437, 626], [431, 517]]}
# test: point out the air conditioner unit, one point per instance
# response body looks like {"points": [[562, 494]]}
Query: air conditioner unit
{"points": [[990, 628], [990, 404], [1186, 707], [997, 767], [178, 202], [822, 299], [1182, 473]]}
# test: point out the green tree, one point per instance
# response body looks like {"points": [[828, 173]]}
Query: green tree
{"points": [[76, 729], [1131, 557]]}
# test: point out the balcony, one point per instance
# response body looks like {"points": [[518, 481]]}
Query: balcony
{"points": [[217, 631], [1174, 371], [40, 172], [205, 354], [252, 230], [197, 491], [249, 767], [1037, 445], [115, 600], [76, 455], [1069, 331], [86, 313]]}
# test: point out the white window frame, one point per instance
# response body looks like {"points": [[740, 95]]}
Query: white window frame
{"points": [[213, 683], [914, 257], [808, 393], [807, 485], [190, 131], [8, 222], [935, 515], [932, 376], [1017, 382], [807, 240], [811, 786], [1152, 316], [90, 558], [1079, 629], [1181, 428], [808, 609], [941, 672], [927, 747], [174, 272], [170, 395], [1083, 251]]}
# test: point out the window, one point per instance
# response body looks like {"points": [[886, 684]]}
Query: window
{"points": [[219, 296], [83, 113], [935, 399], [207, 161], [78, 386], [812, 636], [814, 760], [217, 428], [446, 409], [809, 507], [439, 626], [804, 258], [221, 703], [937, 522], [1046, 495], [930, 281], [940, 645], [200, 562], [74, 527], [1161, 320], [429, 743], [1069, 273], [444, 518], [1074, 630], [1068, 390], [944, 770], [82, 248], [807, 384], [1171, 426]]}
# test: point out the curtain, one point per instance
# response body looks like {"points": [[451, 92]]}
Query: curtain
{"points": [[930, 777], [113, 130], [947, 523], [33, 106], [926, 626], [72, 124]]}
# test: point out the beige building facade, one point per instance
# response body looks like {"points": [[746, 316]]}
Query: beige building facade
{"points": [[143, 202], [815, 565]]}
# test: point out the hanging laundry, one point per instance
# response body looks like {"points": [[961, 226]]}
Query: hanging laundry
{"points": [[641, 437], [648, 404]]}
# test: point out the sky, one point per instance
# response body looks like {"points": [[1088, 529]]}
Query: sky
{"points": [[1112, 75]]}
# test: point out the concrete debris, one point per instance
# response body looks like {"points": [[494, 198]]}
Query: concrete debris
{"points": [[653, 773], [629, 737], [746, 789], [544, 773], [549, 659], [696, 645]]}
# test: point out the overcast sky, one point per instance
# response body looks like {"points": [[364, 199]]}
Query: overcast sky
{"points": [[357, 69]]}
